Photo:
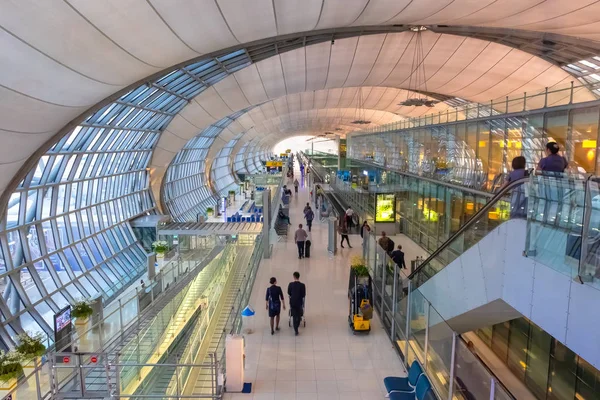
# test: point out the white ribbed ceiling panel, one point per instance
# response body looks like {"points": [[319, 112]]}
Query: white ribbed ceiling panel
{"points": [[60, 58], [340, 14], [137, 28], [249, 20], [197, 22], [297, 15]]}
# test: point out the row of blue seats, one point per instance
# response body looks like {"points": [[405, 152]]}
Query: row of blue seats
{"points": [[414, 387], [250, 218]]}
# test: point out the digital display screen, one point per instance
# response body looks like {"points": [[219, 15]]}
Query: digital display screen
{"points": [[62, 319], [385, 208]]}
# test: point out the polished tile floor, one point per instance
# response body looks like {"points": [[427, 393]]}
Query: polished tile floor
{"points": [[326, 361]]}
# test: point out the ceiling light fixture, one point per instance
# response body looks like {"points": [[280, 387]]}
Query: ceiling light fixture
{"points": [[360, 113], [418, 79]]}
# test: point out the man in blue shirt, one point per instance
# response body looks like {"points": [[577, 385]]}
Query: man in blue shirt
{"points": [[553, 162]]}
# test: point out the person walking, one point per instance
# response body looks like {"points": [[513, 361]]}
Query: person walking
{"points": [[398, 257], [349, 216], [364, 229], [296, 184], [275, 301], [306, 207], [300, 237], [386, 243], [297, 292], [344, 233], [309, 215]]}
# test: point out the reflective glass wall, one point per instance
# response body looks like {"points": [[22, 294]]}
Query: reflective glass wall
{"points": [[477, 153], [549, 369]]}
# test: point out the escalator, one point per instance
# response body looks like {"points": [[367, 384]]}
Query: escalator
{"points": [[542, 268]]}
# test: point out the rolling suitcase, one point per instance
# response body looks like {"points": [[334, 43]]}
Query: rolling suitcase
{"points": [[307, 249]]}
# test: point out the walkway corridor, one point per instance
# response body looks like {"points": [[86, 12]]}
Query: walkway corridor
{"points": [[326, 361]]}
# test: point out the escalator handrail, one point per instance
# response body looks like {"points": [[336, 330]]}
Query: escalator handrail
{"points": [[492, 202]]}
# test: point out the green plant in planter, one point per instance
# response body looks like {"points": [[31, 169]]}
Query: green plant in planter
{"points": [[160, 246], [81, 310], [30, 346], [358, 264], [10, 366], [210, 211]]}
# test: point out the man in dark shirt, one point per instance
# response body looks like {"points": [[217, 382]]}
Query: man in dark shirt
{"points": [[553, 162], [398, 257], [297, 292]]}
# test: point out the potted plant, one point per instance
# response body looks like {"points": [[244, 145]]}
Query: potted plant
{"points": [[81, 311], [359, 266], [30, 347], [160, 247], [10, 369], [210, 212], [231, 195]]}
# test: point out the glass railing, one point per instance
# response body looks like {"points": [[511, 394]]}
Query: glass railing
{"points": [[495, 212], [149, 344], [563, 226], [558, 95], [119, 315], [98, 375], [420, 333]]}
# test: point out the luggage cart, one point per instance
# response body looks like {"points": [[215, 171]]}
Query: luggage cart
{"points": [[302, 319]]}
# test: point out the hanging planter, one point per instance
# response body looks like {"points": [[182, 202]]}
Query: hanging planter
{"points": [[81, 311], [10, 369], [160, 247], [30, 347]]}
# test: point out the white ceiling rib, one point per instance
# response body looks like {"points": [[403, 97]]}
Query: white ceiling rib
{"points": [[61, 58]]}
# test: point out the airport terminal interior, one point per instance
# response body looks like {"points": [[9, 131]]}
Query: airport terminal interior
{"points": [[300, 199]]}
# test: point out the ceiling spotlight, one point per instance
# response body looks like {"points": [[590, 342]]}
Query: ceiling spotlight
{"points": [[361, 122], [332, 42]]}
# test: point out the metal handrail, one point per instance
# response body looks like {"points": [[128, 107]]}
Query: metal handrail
{"points": [[430, 180], [472, 221]]}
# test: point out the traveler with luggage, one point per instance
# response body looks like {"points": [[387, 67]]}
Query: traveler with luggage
{"points": [[309, 215], [275, 301], [297, 292], [300, 237]]}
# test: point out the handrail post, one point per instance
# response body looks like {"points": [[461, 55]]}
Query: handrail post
{"points": [[452, 371], [571, 95], [426, 350], [408, 317], [394, 301]]}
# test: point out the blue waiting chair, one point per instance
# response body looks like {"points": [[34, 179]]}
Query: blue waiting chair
{"points": [[421, 392], [404, 384]]}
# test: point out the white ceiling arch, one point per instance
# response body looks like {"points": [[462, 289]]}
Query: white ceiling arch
{"points": [[327, 75], [61, 58]]}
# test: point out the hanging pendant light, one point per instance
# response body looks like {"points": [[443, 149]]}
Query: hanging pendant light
{"points": [[360, 111], [417, 81]]}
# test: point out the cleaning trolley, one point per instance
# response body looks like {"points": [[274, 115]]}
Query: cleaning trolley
{"points": [[361, 302]]}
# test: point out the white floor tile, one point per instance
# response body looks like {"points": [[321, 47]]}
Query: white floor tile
{"points": [[326, 361]]}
